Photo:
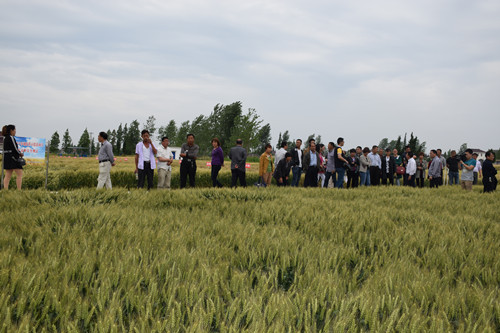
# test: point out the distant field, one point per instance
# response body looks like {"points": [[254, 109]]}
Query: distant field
{"points": [[256, 260]]}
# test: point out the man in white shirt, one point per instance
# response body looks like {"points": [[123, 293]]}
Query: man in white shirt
{"points": [[411, 169], [165, 159], [477, 169], [280, 154]]}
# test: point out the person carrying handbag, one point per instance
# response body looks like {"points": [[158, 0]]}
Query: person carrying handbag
{"points": [[13, 158]]}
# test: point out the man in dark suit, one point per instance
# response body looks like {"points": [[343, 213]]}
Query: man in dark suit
{"points": [[311, 166], [297, 155], [489, 173], [388, 167]]}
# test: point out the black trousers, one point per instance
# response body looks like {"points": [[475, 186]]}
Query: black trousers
{"points": [[188, 167], [410, 182], [436, 181], [374, 176], [352, 179], [311, 179], [215, 174], [329, 175], [148, 173], [420, 181], [390, 177], [490, 184], [405, 179], [441, 178], [238, 174]]}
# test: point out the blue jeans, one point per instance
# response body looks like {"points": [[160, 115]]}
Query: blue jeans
{"points": [[365, 179], [340, 178], [297, 172], [327, 178], [453, 178]]}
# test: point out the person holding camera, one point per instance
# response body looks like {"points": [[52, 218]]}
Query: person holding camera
{"points": [[467, 167], [489, 173], [145, 163], [11, 157]]}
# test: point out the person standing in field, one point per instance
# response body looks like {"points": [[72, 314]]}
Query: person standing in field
{"points": [[165, 160], [477, 169], [398, 160], [217, 162], [297, 154], [405, 162], [364, 168], [280, 154], [321, 166], [340, 163], [421, 167], [411, 169], [282, 170], [330, 166], [145, 163], [106, 161], [435, 169], [467, 167], [238, 157], [352, 169], [266, 165], [375, 166], [443, 164], [11, 157], [189, 154], [311, 166], [388, 167], [452, 164], [489, 173]]}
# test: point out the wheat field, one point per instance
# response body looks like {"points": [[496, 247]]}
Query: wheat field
{"points": [[256, 260]]}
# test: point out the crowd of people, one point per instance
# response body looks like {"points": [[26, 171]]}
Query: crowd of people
{"points": [[329, 166]]}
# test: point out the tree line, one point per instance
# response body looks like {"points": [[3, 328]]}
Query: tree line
{"points": [[226, 122]]}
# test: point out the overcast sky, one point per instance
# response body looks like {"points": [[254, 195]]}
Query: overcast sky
{"points": [[363, 70]]}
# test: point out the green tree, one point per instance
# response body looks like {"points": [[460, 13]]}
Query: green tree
{"points": [[278, 145], [462, 148], [85, 141], [384, 143], [182, 133], [169, 131], [150, 126], [263, 138], [119, 140], [124, 145], [247, 129], [54, 143], [132, 138], [67, 142]]}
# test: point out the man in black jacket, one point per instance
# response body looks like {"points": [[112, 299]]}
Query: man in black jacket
{"points": [[489, 173], [311, 166], [297, 155], [388, 167], [282, 170]]}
